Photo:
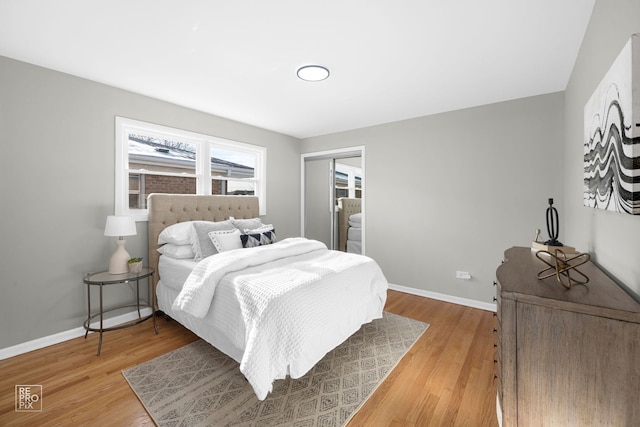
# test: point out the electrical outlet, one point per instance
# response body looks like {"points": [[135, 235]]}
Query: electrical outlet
{"points": [[463, 275]]}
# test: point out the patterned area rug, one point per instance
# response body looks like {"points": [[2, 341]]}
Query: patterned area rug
{"points": [[197, 385]]}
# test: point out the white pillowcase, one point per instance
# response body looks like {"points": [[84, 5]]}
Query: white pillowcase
{"points": [[246, 224], [176, 251], [226, 240], [262, 229], [176, 234], [201, 242]]}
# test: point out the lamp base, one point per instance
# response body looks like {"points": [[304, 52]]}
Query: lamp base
{"points": [[537, 246], [118, 261]]}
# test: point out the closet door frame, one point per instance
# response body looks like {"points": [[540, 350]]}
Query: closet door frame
{"points": [[335, 154]]}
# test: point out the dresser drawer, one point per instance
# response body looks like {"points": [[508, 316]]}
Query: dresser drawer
{"points": [[564, 356]]}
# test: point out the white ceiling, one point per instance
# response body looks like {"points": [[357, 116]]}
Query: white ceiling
{"points": [[389, 59]]}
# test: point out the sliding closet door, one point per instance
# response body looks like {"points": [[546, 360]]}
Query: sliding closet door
{"points": [[317, 219], [327, 176]]}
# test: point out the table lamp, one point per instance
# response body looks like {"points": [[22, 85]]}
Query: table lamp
{"points": [[119, 225]]}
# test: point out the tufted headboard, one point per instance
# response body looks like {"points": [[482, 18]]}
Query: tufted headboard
{"points": [[346, 208], [168, 209]]}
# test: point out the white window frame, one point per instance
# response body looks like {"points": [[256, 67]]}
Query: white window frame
{"points": [[351, 172], [203, 144]]}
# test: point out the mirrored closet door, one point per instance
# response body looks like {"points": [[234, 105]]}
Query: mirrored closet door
{"points": [[332, 198]]}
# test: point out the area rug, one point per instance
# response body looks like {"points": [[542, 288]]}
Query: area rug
{"points": [[197, 385]]}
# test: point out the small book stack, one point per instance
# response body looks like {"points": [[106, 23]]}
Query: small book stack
{"points": [[539, 246]]}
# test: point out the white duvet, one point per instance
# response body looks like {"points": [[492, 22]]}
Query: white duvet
{"points": [[293, 295]]}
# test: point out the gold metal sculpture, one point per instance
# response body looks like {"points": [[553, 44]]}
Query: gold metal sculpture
{"points": [[561, 266]]}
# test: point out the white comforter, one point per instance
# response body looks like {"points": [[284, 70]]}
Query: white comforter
{"points": [[288, 304]]}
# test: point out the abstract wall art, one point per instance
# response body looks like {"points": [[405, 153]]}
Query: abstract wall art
{"points": [[612, 136]]}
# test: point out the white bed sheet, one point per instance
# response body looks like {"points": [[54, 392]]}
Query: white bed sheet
{"points": [[354, 247], [224, 317], [210, 328], [354, 233], [175, 271], [224, 327], [354, 240]]}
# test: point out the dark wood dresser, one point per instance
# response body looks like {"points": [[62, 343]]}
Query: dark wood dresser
{"points": [[565, 357]]}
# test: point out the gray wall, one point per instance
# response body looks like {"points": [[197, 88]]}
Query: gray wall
{"points": [[611, 238], [445, 192], [452, 191], [57, 188]]}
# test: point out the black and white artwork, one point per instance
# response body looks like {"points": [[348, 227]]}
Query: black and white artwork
{"points": [[612, 136]]}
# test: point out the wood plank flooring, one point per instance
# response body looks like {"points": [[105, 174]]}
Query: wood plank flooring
{"points": [[446, 379]]}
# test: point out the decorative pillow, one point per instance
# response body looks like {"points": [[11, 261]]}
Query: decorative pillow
{"points": [[356, 217], [176, 251], [261, 229], [201, 243], [266, 237], [225, 240], [246, 224], [176, 234]]}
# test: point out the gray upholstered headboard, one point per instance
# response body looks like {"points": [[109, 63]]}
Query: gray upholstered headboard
{"points": [[346, 207], [168, 209]]}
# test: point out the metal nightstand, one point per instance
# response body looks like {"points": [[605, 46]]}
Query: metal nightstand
{"points": [[105, 278]]}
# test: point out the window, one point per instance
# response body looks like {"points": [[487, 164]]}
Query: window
{"points": [[348, 181], [158, 159]]}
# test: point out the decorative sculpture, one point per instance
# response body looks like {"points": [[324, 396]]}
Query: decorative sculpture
{"points": [[537, 236], [554, 254], [561, 267]]}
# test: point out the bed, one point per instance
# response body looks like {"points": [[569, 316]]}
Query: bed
{"points": [[277, 308], [350, 225]]}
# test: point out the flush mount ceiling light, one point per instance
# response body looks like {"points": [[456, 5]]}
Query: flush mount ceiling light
{"points": [[313, 73]]}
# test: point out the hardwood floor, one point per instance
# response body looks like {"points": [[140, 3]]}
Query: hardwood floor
{"points": [[446, 379]]}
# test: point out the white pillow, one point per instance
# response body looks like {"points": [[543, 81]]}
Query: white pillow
{"points": [[262, 229], [259, 237], [176, 234], [176, 251], [356, 217], [246, 224], [226, 240], [200, 240]]}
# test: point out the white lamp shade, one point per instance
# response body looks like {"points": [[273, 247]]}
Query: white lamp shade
{"points": [[120, 225]]}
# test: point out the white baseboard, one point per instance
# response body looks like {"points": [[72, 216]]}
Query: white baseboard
{"points": [[36, 344], [442, 297]]}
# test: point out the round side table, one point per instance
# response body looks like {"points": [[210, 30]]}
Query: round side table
{"points": [[104, 278]]}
